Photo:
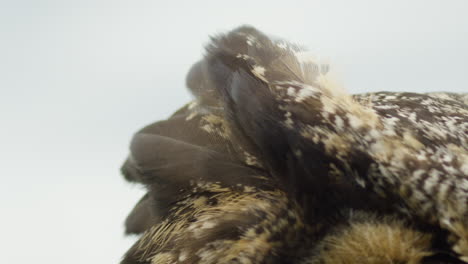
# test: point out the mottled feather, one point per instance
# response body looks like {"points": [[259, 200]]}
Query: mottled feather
{"points": [[275, 163]]}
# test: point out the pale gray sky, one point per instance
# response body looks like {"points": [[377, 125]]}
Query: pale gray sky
{"points": [[77, 78]]}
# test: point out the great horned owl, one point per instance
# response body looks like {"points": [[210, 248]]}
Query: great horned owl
{"points": [[274, 163]]}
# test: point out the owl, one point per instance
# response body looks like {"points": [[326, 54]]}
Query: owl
{"points": [[273, 162]]}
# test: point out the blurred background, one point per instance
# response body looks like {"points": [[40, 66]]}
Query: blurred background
{"points": [[78, 78]]}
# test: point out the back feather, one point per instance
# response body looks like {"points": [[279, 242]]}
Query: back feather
{"points": [[273, 160]]}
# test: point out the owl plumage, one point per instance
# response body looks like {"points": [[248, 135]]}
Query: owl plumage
{"points": [[275, 163]]}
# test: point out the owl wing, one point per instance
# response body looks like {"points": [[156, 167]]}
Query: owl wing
{"points": [[271, 145]]}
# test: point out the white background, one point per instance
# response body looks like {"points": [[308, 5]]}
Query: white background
{"points": [[77, 78]]}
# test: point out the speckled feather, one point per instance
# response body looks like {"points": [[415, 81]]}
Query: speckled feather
{"points": [[275, 163]]}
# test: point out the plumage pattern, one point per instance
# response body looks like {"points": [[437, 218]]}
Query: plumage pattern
{"points": [[274, 163]]}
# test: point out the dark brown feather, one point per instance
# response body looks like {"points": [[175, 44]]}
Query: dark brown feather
{"points": [[273, 163]]}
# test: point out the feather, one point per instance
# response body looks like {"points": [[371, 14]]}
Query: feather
{"points": [[273, 162]]}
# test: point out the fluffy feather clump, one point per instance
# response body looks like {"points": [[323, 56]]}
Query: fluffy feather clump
{"points": [[274, 163]]}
